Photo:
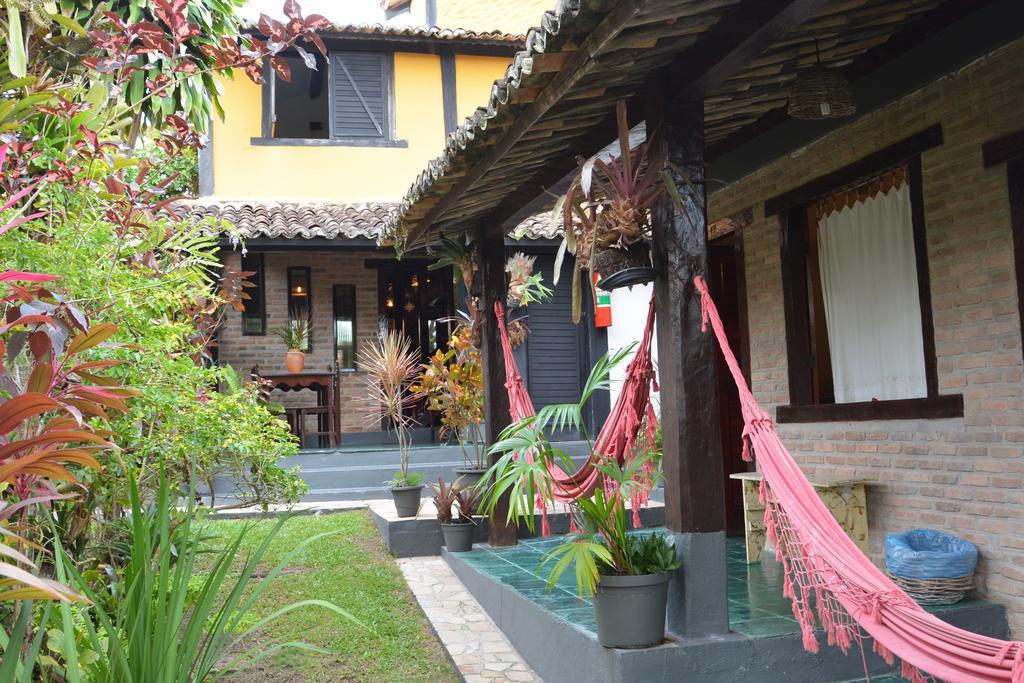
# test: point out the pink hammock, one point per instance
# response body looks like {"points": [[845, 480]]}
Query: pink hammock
{"points": [[853, 597], [619, 433]]}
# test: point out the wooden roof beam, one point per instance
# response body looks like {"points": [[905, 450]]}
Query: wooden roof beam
{"points": [[745, 32], [575, 68]]}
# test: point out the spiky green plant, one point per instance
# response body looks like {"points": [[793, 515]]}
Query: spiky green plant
{"points": [[391, 366], [169, 623]]}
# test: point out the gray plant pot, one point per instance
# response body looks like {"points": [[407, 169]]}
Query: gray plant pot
{"points": [[407, 500], [630, 610], [458, 538], [469, 476]]}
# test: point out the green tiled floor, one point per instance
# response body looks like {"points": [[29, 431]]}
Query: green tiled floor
{"points": [[756, 605]]}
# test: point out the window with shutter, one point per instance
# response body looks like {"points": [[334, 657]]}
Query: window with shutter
{"points": [[360, 88]]}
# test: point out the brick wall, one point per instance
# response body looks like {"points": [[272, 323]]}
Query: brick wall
{"points": [[965, 475], [326, 270]]}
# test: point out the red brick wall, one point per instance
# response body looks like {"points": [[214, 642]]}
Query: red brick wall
{"points": [[965, 476], [327, 269]]}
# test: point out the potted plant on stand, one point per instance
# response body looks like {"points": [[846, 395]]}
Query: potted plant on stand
{"points": [[627, 573], [295, 336], [391, 365], [455, 507]]}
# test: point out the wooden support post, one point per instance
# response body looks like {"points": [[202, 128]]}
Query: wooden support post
{"points": [[694, 480], [490, 245]]}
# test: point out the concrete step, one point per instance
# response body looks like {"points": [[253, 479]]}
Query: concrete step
{"points": [[360, 475]]}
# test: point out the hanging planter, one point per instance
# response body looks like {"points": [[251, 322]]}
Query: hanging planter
{"points": [[624, 267], [606, 216]]}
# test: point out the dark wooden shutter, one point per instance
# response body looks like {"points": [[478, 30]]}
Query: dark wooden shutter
{"points": [[360, 95], [553, 354]]}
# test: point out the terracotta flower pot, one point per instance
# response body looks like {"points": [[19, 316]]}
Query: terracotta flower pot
{"points": [[294, 360]]}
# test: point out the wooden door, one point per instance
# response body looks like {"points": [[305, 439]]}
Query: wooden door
{"points": [[725, 286]]}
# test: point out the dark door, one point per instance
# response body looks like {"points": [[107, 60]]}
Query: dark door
{"points": [[418, 302], [555, 357], [723, 278]]}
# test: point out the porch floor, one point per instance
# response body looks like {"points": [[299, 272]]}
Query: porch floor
{"points": [[757, 607]]}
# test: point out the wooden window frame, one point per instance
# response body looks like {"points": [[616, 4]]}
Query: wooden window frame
{"points": [[259, 280], [388, 139], [791, 207], [1009, 150], [309, 299], [355, 325]]}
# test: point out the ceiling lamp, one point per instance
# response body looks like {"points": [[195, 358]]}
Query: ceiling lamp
{"points": [[821, 93]]}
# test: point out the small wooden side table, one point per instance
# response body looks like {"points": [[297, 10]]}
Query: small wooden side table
{"points": [[845, 498]]}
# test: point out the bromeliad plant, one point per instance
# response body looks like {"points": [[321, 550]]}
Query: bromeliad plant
{"points": [[603, 544], [606, 212]]}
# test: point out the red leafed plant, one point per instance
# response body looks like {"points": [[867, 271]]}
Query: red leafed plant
{"points": [[50, 395]]}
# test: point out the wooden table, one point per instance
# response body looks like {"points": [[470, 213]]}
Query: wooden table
{"points": [[845, 499], [322, 383]]}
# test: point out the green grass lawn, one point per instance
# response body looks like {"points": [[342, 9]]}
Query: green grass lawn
{"points": [[352, 569]]}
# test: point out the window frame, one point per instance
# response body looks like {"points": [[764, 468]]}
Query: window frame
{"points": [[309, 300], [791, 208], [388, 139], [1009, 150], [260, 281], [355, 325]]}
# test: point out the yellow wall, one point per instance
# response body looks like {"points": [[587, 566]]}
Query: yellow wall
{"points": [[509, 16], [242, 170], [474, 77]]}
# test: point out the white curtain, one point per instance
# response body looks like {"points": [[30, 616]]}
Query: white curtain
{"points": [[872, 309]]}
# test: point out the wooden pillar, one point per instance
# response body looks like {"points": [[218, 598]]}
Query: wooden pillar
{"points": [[491, 257], [694, 483]]}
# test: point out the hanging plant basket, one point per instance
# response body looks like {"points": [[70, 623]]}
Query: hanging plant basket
{"points": [[624, 267]]}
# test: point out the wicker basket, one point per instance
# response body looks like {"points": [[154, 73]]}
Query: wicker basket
{"points": [[935, 591]]}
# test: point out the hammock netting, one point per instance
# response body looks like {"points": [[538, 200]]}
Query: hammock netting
{"points": [[631, 424], [830, 582]]}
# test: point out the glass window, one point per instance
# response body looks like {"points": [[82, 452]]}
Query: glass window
{"points": [[254, 315], [302, 105], [345, 327], [300, 305]]}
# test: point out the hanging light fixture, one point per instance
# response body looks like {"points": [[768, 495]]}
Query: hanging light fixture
{"points": [[821, 93]]}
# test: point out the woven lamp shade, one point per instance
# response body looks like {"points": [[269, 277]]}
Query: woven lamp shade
{"points": [[821, 93]]}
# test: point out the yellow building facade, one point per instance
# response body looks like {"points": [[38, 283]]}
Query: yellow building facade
{"points": [[247, 165]]}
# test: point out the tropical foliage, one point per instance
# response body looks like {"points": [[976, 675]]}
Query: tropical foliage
{"points": [[391, 365], [110, 306], [607, 206], [603, 543], [453, 385]]}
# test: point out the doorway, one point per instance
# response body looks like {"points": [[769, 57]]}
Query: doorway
{"points": [[728, 288], [418, 303]]}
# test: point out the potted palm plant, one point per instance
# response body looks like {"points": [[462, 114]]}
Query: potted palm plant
{"points": [[391, 366], [295, 335], [627, 573], [455, 507]]}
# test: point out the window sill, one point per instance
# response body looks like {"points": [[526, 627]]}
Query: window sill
{"points": [[929, 408], [326, 142]]}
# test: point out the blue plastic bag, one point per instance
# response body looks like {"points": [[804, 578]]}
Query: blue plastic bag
{"points": [[929, 554]]}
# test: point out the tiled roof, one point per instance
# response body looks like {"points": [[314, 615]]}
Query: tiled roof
{"points": [[425, 32], [329, 220], [564, 83], [290, 220]]}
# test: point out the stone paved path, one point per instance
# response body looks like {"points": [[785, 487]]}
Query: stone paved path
{"points": [[479, 649]]}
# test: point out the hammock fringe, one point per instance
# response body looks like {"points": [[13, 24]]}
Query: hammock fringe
{"points": [[853, 598], [618, 437]]}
